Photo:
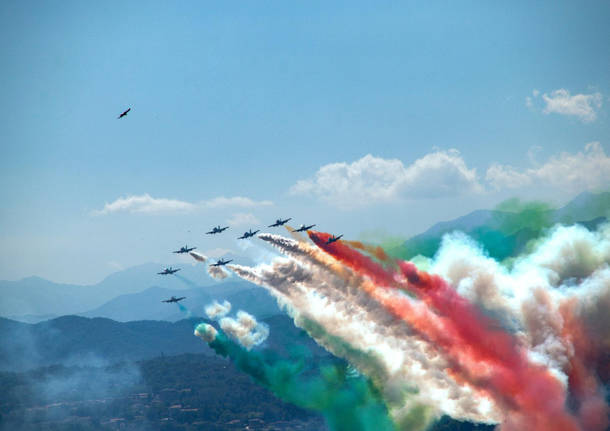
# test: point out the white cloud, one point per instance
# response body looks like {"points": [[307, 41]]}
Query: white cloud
{"points": [[236, 201], [582, 106], [149, 205], [242, 219], [145, 204], [373, 179], [584, 170]]}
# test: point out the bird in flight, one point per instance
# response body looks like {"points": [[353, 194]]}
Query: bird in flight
{"points": [[124, 113]]}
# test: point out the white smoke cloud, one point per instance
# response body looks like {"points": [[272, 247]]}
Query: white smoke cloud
{"points": [[215, 310], [217, 272], [245, 329]]}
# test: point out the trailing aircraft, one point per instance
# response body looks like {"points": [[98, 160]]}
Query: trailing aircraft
{"points": [[168, 271], [174, 299]]}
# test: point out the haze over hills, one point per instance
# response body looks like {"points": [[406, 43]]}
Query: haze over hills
{"points": [[74, 340], [147, 305], [36, 299]]}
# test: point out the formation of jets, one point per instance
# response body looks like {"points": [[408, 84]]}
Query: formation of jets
{"points": [[168, 271], [174, 299], [184, 249], [248, 234], [217, 229]]}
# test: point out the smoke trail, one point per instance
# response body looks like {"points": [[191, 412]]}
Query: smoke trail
{"points": [[312, 292], [187, 313], [198, 256], [245, 329], [514, 378], [348, 403], [217, 272], [215, 310]]}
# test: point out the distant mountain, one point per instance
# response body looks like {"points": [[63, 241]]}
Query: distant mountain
{"points": [[34, 297], [505, 233], [147, 305], [74, 340]]}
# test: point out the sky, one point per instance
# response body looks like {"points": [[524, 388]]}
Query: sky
{"points": [[358, 117]]}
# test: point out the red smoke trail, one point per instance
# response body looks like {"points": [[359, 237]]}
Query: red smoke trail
{"points": [[488, 358]]}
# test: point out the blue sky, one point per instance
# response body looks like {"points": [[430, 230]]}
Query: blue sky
{"points": [[256, 100]]}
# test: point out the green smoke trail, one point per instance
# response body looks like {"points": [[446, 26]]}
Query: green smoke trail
{"points": [[406, 415], [348, 403]]}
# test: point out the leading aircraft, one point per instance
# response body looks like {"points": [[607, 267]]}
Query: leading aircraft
{"points": [[280, 222], [333, 239], [303, 228], [124, 113], [168, 271], [184, 249], [217, 229], [221, 262], [248, 234], [174, 299]]}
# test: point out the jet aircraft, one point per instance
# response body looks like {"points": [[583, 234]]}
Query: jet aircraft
{"points": [[169, 270], [184, 249], [333, 239], [217, 229], [124, 113], [303, 228], [174, 299], [280, 222], [248, 234], [221, 262]]}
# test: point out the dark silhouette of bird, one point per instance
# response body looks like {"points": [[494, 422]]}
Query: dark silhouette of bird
{"points": [[124, 113]]}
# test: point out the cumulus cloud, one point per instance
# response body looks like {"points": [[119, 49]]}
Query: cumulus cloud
{"points": [[373, 179], [244, 219], [585, 170], [149, 205], [145, 204], [582, 106]]}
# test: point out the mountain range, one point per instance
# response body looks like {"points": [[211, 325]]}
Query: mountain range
{"points": [[506, 231], [81, 341]]}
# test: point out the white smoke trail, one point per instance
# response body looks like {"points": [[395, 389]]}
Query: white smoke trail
{"points": [[245, 329], [217, 272], [198, 256], [215, 310]]}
